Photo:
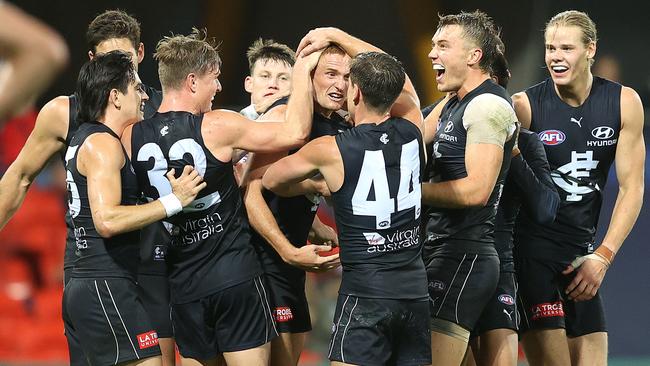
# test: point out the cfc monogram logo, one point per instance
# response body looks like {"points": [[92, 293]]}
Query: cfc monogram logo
{"points": [[579, 167]]}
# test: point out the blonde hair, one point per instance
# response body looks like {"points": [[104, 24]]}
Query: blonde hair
{"points": [[179, 56], [574, 18]]}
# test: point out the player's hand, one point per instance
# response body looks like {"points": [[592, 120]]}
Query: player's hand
{"points": [[261, 107], [309, 62], [515, 151], [316, 40], [308, 259], [590, 272], [187, 186], [323, 234]]}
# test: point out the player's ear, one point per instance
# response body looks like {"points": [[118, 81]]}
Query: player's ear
{"points": [[114, 98], [356, 94], [190, 82], [475, 56], [248, 84], [140, 52], [91, 55], [591, 50]]}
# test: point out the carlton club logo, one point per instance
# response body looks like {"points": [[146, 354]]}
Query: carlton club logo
{"points": [[602, 132], [552, 137]]}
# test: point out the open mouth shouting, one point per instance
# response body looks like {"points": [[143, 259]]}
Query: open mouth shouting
{"points": [[335, 97], [440, 71]]}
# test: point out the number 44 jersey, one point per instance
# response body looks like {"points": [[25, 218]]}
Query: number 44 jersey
{"points": [[210, 248], [580, 144], [378, 211]]}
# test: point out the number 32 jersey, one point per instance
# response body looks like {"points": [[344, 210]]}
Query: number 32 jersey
{"points": [[377, 211], [580, 144], [210, 248]]}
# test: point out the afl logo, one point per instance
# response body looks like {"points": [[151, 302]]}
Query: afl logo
{"points": [[449, 127], [552, 137], [602, 132], [506, 299]]}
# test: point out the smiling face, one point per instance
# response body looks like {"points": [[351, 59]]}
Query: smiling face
{"points": [[268, 79], [449, 56], [567, 57], [134, 100], [331, 79], [207, 86]]}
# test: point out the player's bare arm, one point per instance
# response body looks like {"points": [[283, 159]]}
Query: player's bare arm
{"points": [[47, 138], [431, 121], [319, 155], [522, 109], [489, 123], [262, 220], [630, 162], [100, 159], [227, 130], [35, 54], [406, 106]]}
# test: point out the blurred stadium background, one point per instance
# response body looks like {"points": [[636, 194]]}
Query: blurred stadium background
{"points": [[31, 246]]}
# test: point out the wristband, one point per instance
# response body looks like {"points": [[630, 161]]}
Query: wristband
{"points": [[605, 253], [172, 204]]}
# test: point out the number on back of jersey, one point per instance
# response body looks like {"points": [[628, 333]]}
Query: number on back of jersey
{"points": [[373, 178], [157, 173], [74, 201]]}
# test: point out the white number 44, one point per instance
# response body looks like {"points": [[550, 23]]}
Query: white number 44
{"points": [[373, 174]]}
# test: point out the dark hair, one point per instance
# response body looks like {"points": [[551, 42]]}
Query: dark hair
{"points": [[380, 77], [97, 77], [179, 56], [500, 70], [479, 29], [268, 49], [113, 24]]}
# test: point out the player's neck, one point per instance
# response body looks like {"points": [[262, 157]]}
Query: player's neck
{"points": [[177, 101], [114, 121], [327, 113], [363, 116], [473, 80], [575, 93]]}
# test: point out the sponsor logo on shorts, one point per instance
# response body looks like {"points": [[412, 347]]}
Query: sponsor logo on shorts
{"points": [[547, 310], [283, 314], [148, 339], [436, 285], [158, 253], [552, 137], [506, 299]]}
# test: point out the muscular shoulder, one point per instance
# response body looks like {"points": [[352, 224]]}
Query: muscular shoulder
{"points": [[100, 151], [54, 118], [321, 150], [631, 108], [275, 113], [522, 108], [490, 108]]}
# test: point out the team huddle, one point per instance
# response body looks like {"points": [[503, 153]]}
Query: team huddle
{"points": [[463, 227]]}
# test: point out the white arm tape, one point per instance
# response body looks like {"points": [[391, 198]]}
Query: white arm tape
{"points": [[578, 261], [172, 204]]}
